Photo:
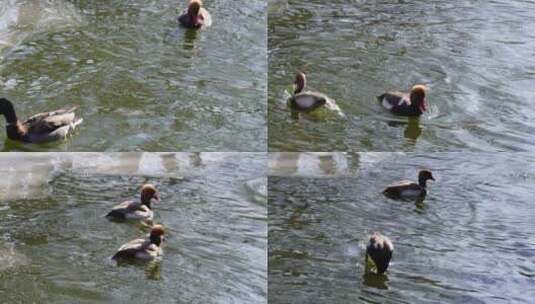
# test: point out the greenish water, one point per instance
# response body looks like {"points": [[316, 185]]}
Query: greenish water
{"points": [[470, 241], [55, 244], [142, 82], [476, 57]]}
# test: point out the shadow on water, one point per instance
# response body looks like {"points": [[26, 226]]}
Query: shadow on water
{"points": [[190, 36], [374, 280]]}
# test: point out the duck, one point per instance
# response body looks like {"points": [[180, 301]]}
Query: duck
{"points": [[136, 210], [409, 189], [413, 103], [195, 16], [379, 250], [40, 128], [145, 249], [308, 101]]}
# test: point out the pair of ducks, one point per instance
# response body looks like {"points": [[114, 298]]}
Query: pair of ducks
{"points": [[411, 103], [380, 247], [60, 124], [145, 249]]}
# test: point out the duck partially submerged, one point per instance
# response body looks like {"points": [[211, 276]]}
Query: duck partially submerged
{"points": [[379, 250], [145, 249], [40, 128], [409, 189], [136, 210], [195, 16], [413, 103], [308, 101]]}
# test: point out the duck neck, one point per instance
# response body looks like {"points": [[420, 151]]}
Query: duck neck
{"points": [[7, 109], [14, 128], [300, 84], [422, 181], [146, 202], [155, 239]]}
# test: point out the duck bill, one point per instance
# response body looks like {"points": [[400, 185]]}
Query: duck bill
{"points": [[196, 20], [156, 197], [423, 106]]}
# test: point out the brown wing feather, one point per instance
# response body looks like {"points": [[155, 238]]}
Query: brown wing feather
{"points": [[130, 249], [397, 188], [392, 98], [123, 208], [49, 121]]}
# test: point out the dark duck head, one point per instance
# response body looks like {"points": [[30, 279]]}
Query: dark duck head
{"points": [[423, 177]]}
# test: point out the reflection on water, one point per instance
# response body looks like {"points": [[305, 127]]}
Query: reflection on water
{"points": [[141, 81], [475, 59], [470, 240], [56, 245]]}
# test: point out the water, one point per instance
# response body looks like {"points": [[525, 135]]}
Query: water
{"points": [[55, 245], [470, 241], [142, 82], [476, 57]]}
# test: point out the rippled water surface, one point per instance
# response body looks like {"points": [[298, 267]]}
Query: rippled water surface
{"points": [[476, 57], [55, 245], [470, 241], [142, 82]]}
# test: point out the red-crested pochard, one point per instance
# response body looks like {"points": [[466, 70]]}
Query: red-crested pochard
{"points": [[308, 101], [379, 250], [195, 16], [145, 249], [40, 128], [409, 189], [413, 103], [136, 210]]}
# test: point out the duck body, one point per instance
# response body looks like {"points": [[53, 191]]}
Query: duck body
{"points": [[136, 210], [379, 250], [405, 188], [409, 189], [195, 16], [307, 101], [40, 128], [411, 104], [144, 249], [141, 249], [131, 210]]}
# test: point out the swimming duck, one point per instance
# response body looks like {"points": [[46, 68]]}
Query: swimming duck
{"points": [[146, 249], [141, 210], [307, 101], [413, 103], [40, 128], [195, 16], [408, 189], [380, 250]]}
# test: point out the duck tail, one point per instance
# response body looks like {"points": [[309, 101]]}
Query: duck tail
{"points": [[77, 122], [381, 97]]}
